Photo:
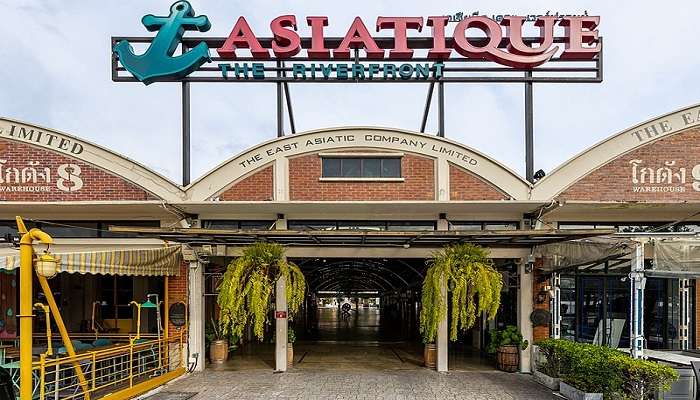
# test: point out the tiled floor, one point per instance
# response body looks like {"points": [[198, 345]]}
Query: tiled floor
{"points": [[355, 358], [358, 384]]}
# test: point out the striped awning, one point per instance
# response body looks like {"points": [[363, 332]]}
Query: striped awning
{"points": [[131, 262]]}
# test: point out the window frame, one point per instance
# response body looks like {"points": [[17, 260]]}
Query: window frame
{"points": [[362, 157]]}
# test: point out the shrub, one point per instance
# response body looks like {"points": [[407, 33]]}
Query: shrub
{"points": [[604, 370], [554, 352]]}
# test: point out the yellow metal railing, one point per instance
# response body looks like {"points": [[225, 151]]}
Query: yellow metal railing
{"points": [[106, 371]]}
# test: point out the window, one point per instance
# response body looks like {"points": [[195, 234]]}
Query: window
{"points": [[116, 292], [236, 224], [74, 229], [324, 225], [356, 167], [633, 227], [477, 226]]}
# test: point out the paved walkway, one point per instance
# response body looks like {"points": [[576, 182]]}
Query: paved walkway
{"points": [[312, 385]]}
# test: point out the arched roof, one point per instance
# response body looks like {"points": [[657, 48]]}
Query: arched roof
{"points": [[435, 147], [614, 147], [95, 155]]}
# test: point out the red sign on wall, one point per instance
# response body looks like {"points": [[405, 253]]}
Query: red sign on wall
{"points": [[280, 314]]}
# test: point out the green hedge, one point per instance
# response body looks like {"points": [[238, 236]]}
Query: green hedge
{"points": [[604, 370]]}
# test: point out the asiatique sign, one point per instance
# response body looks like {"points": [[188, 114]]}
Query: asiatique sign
{"points": [[499, 42]]}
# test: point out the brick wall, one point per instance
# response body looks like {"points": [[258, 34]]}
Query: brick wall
{"points": [[614, 181], [177, 291], [255, 187], [30, 173], [418, 184], [467, 186], [697, 315], [539, 332]]}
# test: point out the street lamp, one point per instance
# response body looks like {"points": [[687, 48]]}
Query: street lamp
{"points": [[46, 264]]}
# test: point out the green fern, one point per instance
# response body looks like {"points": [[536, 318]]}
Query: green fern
{"points": [[475, 285], [246, 288]]}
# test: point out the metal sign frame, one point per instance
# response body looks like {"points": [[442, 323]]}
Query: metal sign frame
{"points": [[456, 70]]}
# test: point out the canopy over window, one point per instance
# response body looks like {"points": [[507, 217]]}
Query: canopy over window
{"points": [[676, 256], [132, 262], [574, 253]]}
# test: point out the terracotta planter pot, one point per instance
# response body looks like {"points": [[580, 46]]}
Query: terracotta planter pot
{"points": [[218, 351], [430, 355], [290, 354], [508, 358]]}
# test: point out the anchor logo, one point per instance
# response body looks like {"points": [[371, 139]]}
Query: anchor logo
{"points": [[158, 61]]}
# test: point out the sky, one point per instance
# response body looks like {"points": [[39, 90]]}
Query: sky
{"points": [[55, 72]]}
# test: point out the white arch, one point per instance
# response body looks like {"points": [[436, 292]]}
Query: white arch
{"points": [[443, 150], [613, 147], [97, 156]]}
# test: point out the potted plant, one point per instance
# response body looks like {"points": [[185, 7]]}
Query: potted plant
{"points": [[467, 271], [246, 289], [291, 338], [430, 355], [218, 345], [507, 343]]}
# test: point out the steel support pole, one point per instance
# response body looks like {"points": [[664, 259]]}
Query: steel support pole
{"points": [[64, 335], [529, 146], [426, 111], [280, 109], [166, 323], [185, 130], [288, 98], [441, 109], [281, 324], [442, 340], [524, 308], [684, 328], [26, 253], [637, 283], [556, 305]]}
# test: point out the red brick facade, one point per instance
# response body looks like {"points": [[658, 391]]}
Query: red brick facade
{"points": [[29, 173], [255, 187], [467, 186], [305, 184], [539, 332], [665, 170], [177, 292]]}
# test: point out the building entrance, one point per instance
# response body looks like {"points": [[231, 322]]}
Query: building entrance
{"points": [[365, 313]]}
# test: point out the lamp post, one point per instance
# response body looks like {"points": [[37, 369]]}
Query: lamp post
{"points": [[26, 254]]}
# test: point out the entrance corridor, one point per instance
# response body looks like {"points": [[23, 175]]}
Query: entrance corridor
{"points": [[360, 342]]}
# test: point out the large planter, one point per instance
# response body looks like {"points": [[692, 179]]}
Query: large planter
{"points": [[290, 354], [572, 393], [430, 355], [218, 351], [508, 358], [545, 380]]}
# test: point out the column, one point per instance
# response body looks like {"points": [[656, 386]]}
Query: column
{"points": [[684, 320], [281, 183], [443, 179], [556, 306], [525, 307], [637, 282], [442, 339], [195, 340], [281, 325]]}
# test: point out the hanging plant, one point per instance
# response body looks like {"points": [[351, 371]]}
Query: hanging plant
{"points": [[246, 288], [475, 285]]}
